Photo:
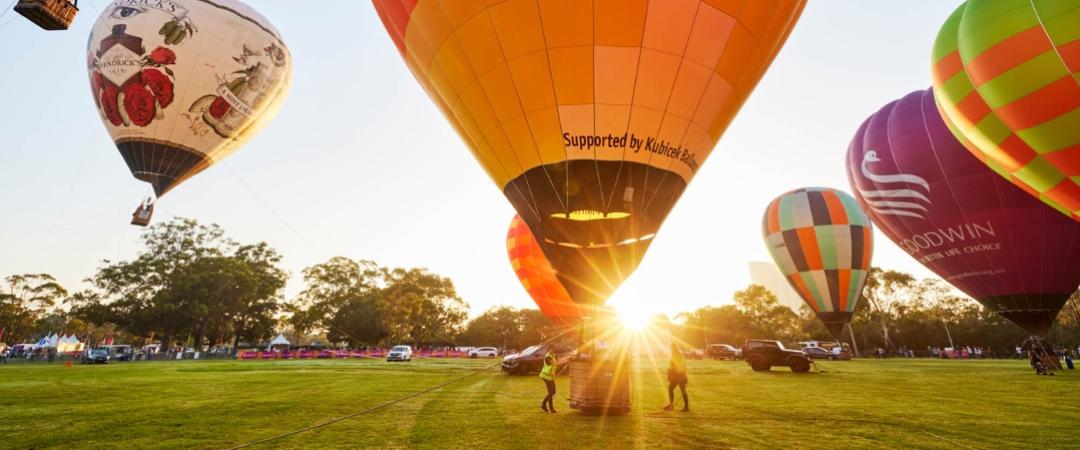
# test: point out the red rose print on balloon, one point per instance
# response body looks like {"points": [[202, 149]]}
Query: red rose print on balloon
{"points": [[97, 83], [109, 104], [142, 96], [163, 56], [219, 108], [139, 105], [135, 80], [160, 85]]}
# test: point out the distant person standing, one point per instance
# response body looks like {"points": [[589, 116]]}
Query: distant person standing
{"points": [[548, 375], [1037, 363], [676, 375]]}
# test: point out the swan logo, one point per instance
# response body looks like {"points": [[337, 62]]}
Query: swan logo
{"points": [[908, 199]]}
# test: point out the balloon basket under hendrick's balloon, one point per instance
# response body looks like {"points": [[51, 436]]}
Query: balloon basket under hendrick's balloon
{"points": [[142, 215], [49, 14]]}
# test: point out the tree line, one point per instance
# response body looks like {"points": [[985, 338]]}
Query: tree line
{"points": [[192, 285], [896, 310]]}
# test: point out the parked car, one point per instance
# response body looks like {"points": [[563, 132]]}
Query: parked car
{"points": [[400, 353], [693, 353], [96, 356], [20, 350], [763, 354], [529, 361], [821, 353], [120, 352], [484, 352], [723, 351]]}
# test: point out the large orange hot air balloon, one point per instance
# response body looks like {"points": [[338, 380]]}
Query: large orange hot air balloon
{"points": [[538, 277], [591, 116], [181, 84]]}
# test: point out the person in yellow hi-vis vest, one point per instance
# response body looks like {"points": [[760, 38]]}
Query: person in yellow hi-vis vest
{"points": [[676, 375], [548, 375]]}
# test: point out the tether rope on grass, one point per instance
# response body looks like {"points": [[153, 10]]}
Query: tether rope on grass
{"points": [[371, 409], [521, 395], [766, 419], [947, 440], [383, 405], [801, 419]]}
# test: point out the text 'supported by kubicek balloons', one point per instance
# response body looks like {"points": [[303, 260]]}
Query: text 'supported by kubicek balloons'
{"points": [[636, 144]]}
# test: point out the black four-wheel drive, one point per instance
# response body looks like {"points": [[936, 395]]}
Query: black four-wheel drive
{"points": [[763, 354]]}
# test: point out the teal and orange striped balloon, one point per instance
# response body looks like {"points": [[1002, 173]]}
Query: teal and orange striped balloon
{"points": [[822, 242], [1006, 81]]}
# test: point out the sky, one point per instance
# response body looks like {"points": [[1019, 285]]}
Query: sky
{"points": [[361, 164]]}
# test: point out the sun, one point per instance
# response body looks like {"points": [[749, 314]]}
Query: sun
{"points": [[634, 319], [634, 314]]}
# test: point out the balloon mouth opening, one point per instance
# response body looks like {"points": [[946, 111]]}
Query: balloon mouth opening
{"points": [[588, 215], [594, 245], [164, 165]]}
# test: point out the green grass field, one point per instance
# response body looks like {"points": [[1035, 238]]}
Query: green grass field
{"points": [[867, 403]]}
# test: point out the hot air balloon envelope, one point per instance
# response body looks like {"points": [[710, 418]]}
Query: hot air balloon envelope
{"points": [[591, 117], [182, 84], [822, 242], [958, 218], [1005, 74], [538, 277]]}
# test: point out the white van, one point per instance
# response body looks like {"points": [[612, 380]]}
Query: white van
{"points": [[484, 352], [400, 353]]}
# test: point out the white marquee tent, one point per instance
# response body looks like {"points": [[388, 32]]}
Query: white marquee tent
{"points": [[279, 341]]}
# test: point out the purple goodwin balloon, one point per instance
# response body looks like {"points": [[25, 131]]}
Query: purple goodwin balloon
{"points": [[969, 225]]}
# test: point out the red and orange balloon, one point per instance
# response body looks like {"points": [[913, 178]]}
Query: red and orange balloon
{"points": [[538, 277]]}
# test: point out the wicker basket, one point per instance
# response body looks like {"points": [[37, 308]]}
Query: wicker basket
{"points": [[48, 14], [600, 387]]}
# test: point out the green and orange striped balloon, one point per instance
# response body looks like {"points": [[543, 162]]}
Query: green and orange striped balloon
{"points": [[822, 242], [1006, 81]]}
